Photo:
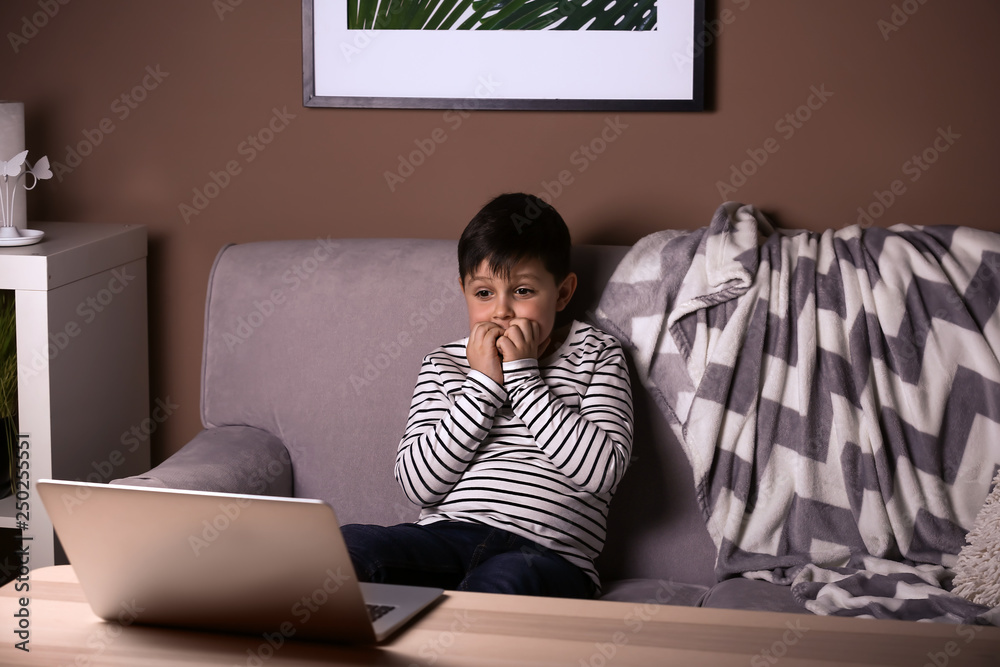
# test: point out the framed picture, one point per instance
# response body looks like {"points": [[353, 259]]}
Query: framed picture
{"points": [[599, 55]]}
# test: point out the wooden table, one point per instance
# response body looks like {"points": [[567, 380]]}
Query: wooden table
{"points": [[470, 629]]}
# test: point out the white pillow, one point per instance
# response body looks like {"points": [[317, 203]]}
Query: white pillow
{"points": [[977, 572]]}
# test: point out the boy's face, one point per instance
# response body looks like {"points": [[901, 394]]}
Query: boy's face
{"points": [[530, 292]]}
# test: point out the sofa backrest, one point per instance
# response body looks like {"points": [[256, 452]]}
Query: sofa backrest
{"points": [[319, 342]]}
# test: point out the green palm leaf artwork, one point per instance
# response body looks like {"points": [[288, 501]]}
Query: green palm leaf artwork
{"points": [[501, 14]]}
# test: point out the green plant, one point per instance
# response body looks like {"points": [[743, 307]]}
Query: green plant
{"points": [[501, 14], [8, 382]]}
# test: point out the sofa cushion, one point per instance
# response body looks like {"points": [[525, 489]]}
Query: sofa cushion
{"points": [[654, 591], [227, 459], [753, 595], [655, 525]]}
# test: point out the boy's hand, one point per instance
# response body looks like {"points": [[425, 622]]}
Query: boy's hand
{"points": [[520, 341], [483, 352]]}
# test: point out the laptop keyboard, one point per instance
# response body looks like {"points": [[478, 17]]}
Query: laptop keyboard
{"points": [[377, 611]]}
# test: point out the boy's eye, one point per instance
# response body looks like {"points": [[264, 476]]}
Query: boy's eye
{"points": [[482, 294], [524, 291]]}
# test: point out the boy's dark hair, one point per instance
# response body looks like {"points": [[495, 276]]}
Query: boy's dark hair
{"points": [[511, 228]]}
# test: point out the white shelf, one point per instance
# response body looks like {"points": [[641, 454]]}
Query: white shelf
{"points": [[83, 359], [68, 252]]}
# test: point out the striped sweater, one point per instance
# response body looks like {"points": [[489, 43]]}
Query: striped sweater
{"points": [[539, 456]]}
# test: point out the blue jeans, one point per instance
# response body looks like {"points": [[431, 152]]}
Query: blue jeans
{"points": [[462, 556]]}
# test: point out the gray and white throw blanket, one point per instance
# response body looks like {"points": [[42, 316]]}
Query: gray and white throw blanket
{"points": [[837, 394]]}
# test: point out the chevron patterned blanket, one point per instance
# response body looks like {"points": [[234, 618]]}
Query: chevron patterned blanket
{"points": [[837, 395]]}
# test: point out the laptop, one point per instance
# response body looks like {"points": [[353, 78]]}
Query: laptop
{"points": [[222, 562]]}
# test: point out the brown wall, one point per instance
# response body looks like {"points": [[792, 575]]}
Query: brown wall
{"points": [[324, 173]]}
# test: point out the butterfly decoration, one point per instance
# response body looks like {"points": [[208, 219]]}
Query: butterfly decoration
{"points": [[12, 167], [39, 172], [11, 170]]}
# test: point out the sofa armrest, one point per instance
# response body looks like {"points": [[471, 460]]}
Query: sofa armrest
{"points": [[226, 459]]}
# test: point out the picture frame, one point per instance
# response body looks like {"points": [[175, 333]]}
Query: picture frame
{"points": [[652, 69]]}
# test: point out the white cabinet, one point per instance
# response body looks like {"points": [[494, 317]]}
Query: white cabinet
{"points": [[83, 361]]}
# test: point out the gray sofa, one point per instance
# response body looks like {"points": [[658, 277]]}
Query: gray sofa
{"points": [[311, 351]]}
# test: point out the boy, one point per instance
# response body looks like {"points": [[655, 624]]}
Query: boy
{"points": [[517, 435]]}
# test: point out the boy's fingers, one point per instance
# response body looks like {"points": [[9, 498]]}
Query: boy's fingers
{"points": [[483, 331], [514, 334], [504, 341], [529, 328]]}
